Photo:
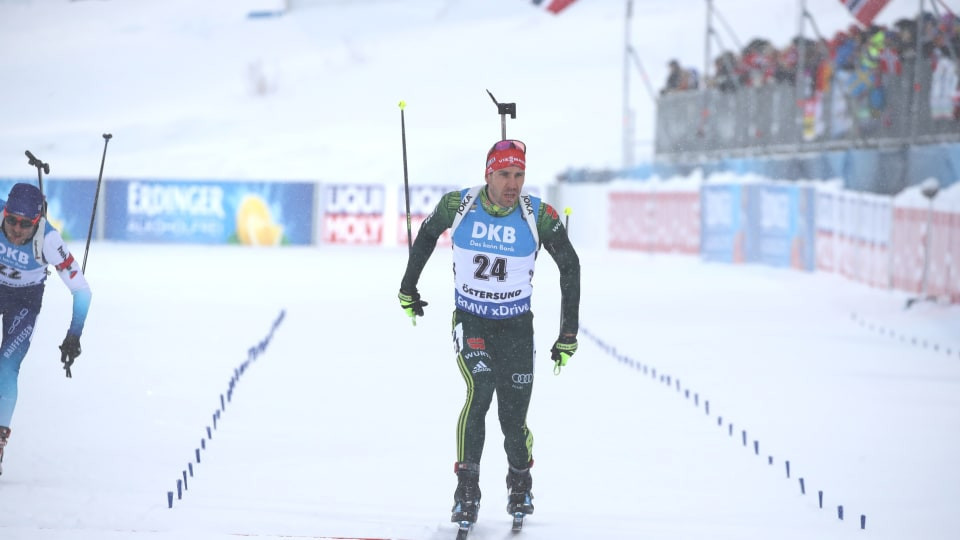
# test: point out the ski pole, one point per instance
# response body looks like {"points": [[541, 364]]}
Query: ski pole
{"points": [[41, 166], [406, 182], [96, 196], [566, 225]]}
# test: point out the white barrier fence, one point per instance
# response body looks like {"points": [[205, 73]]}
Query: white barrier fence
{"points": [[910, 242]]}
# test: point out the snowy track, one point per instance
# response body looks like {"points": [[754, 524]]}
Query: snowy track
{"points": [[344, 425]]}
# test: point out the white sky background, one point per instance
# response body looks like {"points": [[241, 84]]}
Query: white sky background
{"points": [[345, 425], [172, 81]]}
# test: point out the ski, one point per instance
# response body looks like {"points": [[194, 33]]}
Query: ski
{"points": [[517, 522], [464, 530]]}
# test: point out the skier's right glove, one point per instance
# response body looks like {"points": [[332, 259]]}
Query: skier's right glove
{"points": [[411, 304], [562, 350], [69, 351]]}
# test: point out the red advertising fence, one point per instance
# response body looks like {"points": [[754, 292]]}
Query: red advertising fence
{"points": [[655, 221], [926, 244], [908, 239], [943, 277]]}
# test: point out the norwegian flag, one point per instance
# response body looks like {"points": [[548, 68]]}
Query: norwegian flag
{"points": [[553, 6], [864, 10]]}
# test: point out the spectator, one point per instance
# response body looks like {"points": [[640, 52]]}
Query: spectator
{"points": [[674, 78]]}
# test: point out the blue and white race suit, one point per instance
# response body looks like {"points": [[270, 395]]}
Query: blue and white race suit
{"points": [[23, 273]]}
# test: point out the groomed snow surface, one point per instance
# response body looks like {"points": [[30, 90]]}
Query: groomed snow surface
{"points": [[343, 425]]}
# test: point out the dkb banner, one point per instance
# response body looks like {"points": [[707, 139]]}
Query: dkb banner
{"points": [[723, 223], [210, 212], [781, 225]]}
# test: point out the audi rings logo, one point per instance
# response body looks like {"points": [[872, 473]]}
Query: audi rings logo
{"points": [[16, 320], [522, 378]]}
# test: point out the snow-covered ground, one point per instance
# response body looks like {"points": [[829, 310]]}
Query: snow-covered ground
{"points": [[344, 425]]}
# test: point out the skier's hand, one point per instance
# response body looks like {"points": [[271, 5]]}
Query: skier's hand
{"points": [[562, 350], [69, 351], [411, 304]]}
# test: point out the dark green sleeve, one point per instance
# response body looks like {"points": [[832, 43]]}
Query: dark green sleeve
{"points": [[438, 221], [553, 236]]}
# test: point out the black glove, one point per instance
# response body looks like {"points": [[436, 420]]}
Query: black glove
{"points": [[411, 304], [69, 351], [562, 350]]}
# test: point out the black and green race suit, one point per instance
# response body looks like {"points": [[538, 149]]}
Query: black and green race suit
{"points": [[494, 253]]}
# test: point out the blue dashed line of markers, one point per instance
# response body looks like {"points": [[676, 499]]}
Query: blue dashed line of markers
{"points": [[238, 372], [904, 338], [672, 382]]}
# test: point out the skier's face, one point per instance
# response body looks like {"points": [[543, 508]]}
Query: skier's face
{"points": [[19, 229], [503, 186]]}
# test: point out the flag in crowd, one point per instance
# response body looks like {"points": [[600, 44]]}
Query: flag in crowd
{"points": [[864, 10], [553, 6]]}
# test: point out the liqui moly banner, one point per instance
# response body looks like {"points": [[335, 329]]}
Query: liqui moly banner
{"points": [[209, 212], [723, 217], [658, 220], [353, 214], [423, 199], [853, 234], [69, 204]]}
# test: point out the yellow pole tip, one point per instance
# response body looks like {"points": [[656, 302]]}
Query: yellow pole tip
{"points": [[567, 211], [403, 104]]}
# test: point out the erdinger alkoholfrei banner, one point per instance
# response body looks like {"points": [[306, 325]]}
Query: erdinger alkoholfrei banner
{"points": [[423, 199], [69, 204], [553, 6], [210, 212], [352, 214]]}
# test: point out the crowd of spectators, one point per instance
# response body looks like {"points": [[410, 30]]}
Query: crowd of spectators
{"points": [[878, 50]]}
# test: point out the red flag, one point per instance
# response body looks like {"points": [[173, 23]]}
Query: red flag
{"points": [[864, 10], [553, 6]]}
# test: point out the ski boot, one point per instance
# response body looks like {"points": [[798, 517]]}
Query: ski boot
{"points": [[467, 496], [519, 497], [4, 435]]}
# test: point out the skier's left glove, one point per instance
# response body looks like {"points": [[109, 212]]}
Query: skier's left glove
{"points": [[411, 304], [562, 350], [69, 351]]}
